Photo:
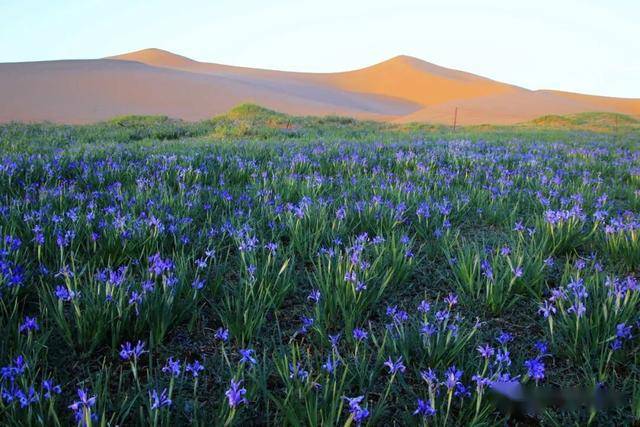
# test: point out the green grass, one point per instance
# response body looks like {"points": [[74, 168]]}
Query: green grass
{"points": [[249, 121]]}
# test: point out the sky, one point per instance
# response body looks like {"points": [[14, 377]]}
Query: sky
{"points": [[588, 46]]}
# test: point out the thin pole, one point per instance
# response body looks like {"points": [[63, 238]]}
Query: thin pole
{"points": [[455, 119]]}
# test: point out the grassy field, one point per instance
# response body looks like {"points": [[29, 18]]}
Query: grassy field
{"points": [[262, 269]]}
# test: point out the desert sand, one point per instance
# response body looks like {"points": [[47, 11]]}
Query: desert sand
{"points": [[153, 81]]}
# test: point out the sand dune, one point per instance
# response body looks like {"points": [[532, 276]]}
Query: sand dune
{"points": [[93, 90], [419, 81], [623, 105], [153, 81], [502, 108], [517, 107]]}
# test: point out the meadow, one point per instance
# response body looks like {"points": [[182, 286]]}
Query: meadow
{"points": [[261, 269]]}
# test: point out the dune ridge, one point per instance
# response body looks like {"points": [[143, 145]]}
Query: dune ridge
{"points": [[153, 81]]}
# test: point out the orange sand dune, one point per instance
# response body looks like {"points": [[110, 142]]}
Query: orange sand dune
{"points": [[517, 107], [92, 90], [153, 81], [419, 81], [622, 105], [503, 108]]}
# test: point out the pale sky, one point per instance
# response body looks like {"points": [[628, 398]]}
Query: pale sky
{"points": [[589, 46]]}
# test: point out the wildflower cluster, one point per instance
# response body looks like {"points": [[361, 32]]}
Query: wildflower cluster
{"points": [[337, 273]]}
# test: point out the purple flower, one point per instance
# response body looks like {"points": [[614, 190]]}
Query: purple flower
{"points": [[454, 329], [39, 239], [271, 247], [547, 309], [251, 269], [360, 286], [504, 338], [314, 296], [396, 366], [297, 371], [147, 286], [486, 351], [247, 243], [248, 356], [25, 399], [428, 329], [172, 367], [429, 376], [398, 316], [424, 307], [360, 334], [222, 334], [424, 408], [451, 300], [481, 382], [542, 347], [10, 393], [29, 324], [195, 368], [623, 331], [39, 236], [518, 272], [423, 210], [15, 369], [50, 388], [159, 266], [307, 322], [578, 288], [334, 339], [198, 284], [82, 407], [128, 351], [503, 358], [235, 394], [535, 368], [462, 391], [442, 315], [378, 240], [61, 241], [558, 294], [358, 413], [159, 400], [65, 272], [487, 270], [64, 294], [350, 276], [135, 299], [330, 365], [452, 377], [578, 308]]}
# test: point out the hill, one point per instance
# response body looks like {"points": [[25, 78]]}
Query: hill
{"points": [[156, 82]]}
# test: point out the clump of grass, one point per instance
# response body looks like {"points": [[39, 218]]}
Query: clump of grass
{"points": [[590, 317], [352, 279]]}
